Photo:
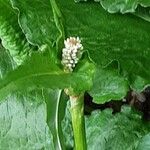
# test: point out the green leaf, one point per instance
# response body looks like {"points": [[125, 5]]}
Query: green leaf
{"points": [[123, 6], [111, 37], [108, 85], [144, 144], [6, 62], [23, 115], [40, 71], [122, 131], [23, 122], [37, 21], [39, 108], [136, 7], [139, 8], [11, 34]]}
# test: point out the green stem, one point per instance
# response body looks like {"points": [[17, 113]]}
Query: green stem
{"points": [[77, 114]]}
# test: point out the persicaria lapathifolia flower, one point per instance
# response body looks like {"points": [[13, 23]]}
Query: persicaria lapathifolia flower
{"points": [[71, 53]]}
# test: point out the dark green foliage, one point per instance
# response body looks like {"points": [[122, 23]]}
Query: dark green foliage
{"points": [[115, 59]]}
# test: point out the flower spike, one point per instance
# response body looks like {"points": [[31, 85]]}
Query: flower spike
{"points": [[71, 53]]}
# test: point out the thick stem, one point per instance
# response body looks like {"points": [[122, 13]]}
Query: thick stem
{"points": [[77, 114]]}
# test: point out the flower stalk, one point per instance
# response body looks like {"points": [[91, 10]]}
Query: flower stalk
{"points": [[77, 114], [71, 54]]}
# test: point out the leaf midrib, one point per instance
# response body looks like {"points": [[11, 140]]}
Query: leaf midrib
{"points": [[29, 76]]}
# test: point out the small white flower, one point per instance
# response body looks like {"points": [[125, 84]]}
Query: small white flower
{"points": [[71, 61], [71, 53]]}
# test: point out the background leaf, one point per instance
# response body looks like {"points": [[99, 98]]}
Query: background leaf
{"points": [[144, 144], [108, 85], [37, 21], [23, 122], [111, 37], [123, 6], [122, 131], [11, 34], [6, 62]]}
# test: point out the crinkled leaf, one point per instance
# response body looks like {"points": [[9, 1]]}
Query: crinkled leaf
{"points": [[122, 131], [140, 8], [105, 131], [37, 21], [136, 7], [123, 6], [11, 34]]}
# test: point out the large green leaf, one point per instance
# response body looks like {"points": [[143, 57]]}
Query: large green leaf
{"points": [[37, 125], [40, 71], [38, 22], [108, 37], [123, 6], [11, 34], [27, 122], [105, 131], [23, 115], [23, 122]]}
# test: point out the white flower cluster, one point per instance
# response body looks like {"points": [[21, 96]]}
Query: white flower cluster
{"points": [[71, 53]]}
